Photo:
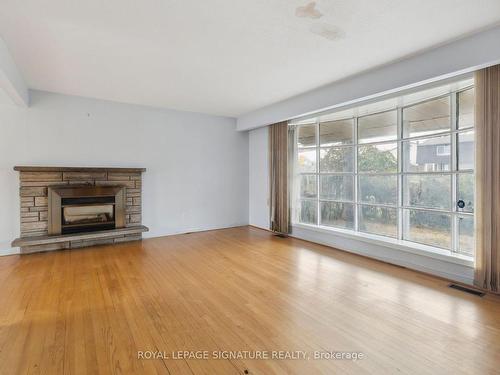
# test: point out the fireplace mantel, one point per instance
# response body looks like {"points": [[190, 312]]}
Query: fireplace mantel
{"points": [[21, 168], [35, 183]]}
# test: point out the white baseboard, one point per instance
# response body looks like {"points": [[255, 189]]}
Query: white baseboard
{"points": [[173, 232], [260, 227], [7, 249]]}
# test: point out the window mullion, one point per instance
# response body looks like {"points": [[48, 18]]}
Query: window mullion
{"points": [[355, 150], [454, 168], [318, 187], [400, 172]]}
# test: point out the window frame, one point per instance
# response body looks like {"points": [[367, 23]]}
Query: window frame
{"points": [[401, 208]]}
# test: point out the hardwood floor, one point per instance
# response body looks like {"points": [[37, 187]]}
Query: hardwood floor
{"points": [[90, 311]]}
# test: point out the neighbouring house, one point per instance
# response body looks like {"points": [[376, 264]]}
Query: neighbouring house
{"points": [[434, 154]]}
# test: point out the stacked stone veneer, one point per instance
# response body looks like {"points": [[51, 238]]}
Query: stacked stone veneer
{"points": [[34, 202]]}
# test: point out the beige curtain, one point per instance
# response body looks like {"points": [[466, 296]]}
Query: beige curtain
{"points": [[279, 187], [487, 266]]}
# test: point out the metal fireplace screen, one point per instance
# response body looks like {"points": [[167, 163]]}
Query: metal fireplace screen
{"points": [[80, 209]]}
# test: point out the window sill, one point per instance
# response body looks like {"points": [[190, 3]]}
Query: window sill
{"points": [[406, 246]]}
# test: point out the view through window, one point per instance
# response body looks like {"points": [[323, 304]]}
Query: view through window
{"points": [[400, 168]]}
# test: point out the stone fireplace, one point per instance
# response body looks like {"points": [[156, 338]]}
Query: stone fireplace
{"points": [[63, 207]]}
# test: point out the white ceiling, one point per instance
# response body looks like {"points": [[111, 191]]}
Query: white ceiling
{"points": [[224, 57]]}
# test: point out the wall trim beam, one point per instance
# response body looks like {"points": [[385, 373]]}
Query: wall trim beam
{"points": [[11, 80], [458, 57]]}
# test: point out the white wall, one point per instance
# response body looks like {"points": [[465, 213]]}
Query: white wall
{"points": [[259, 178], [197, 165]]}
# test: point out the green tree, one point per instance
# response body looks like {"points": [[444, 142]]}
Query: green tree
{"points": [[372, 159]]}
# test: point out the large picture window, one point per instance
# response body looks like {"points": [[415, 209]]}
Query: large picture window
{"points": [[402, 168]]}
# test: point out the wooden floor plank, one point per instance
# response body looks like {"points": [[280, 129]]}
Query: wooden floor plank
{"points": [[89, 311]]}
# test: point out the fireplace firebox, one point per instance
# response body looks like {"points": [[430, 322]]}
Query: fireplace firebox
{"points": [[78, 209]]}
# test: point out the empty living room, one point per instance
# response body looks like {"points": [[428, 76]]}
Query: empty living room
{"points": [[249, 187]]}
